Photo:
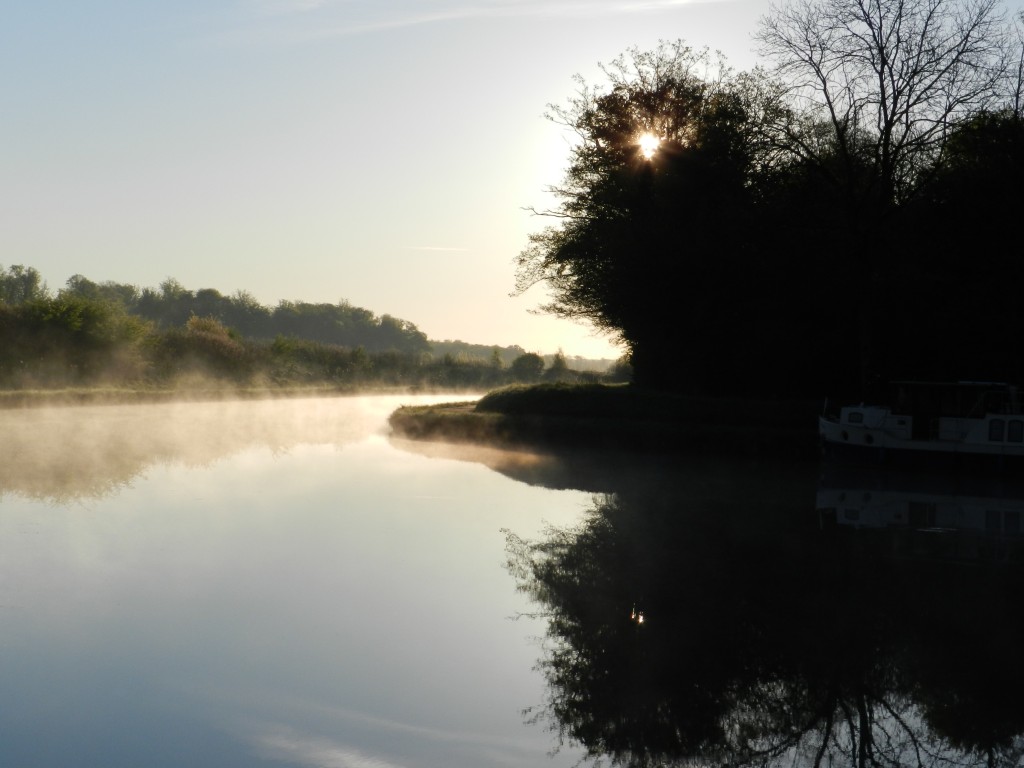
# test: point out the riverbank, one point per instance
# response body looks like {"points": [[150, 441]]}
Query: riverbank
{"points": [[604, 417]]}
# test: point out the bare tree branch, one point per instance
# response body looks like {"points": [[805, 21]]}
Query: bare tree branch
{"points": [[889, 77]]}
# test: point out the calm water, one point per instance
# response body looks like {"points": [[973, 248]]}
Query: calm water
{"points": [[282, 584], [260, 584]]}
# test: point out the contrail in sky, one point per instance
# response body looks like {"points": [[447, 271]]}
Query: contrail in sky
{"points": [[341, 19]]}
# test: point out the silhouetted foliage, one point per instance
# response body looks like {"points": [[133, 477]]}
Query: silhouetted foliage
{"points": [[877, 91], [888, 79], [620, 372], [954, 289], [558, 370], [658, 250], [528, 367], [844, 222]]}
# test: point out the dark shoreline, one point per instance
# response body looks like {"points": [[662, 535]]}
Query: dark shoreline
{"points": [[604, 418]]}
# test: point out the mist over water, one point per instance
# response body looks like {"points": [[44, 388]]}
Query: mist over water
{"points": [[87, 451], [260, 584]]}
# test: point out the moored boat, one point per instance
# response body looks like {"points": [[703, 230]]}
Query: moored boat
{"points": [[929, 421]]}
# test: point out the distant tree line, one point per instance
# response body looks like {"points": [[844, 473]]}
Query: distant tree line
{"points": [[172, 305], [114, 334], [849, 215]]}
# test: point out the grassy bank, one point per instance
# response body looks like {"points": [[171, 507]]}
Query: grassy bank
{"points": [[602, 417]]}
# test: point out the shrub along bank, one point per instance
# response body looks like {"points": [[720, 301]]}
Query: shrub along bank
{"points": [[618, 418]]}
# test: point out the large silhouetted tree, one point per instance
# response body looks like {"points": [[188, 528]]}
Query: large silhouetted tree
{"points": [[878, 88], [888, 78], [655, 211]]}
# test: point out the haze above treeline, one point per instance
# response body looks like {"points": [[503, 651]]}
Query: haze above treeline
{"points": [[115, 334]]}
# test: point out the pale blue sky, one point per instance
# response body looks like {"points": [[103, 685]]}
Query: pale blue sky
{"points": [[379, 152]]}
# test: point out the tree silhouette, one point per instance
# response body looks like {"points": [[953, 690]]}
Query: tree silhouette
{"points": [[651, 239], [527, 367], [702, 615], [888, 79]]}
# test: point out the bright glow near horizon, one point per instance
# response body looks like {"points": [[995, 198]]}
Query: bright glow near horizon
{"points": [[382, 153]]}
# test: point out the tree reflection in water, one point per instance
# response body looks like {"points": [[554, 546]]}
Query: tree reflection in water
{"points": [[767, 639]]}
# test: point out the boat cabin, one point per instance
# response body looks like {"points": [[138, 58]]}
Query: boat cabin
{"points": [[927, 411], [967, 417]]}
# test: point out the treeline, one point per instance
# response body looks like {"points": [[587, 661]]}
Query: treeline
{"points": [[112, 334], [342, 324], [846, 216], [462, 349]]}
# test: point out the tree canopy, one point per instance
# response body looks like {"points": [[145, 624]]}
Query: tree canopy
{"points": [[172, 305], [19, 283], [654, 207], [805, 229], [888, 79]]}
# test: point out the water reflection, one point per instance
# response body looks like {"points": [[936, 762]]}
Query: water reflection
{"points": [[320, 598], [775, 633], [259, 584], [953, 516]]}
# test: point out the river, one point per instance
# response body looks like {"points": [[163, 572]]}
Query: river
{"points": [[260, 584], [282, 583]]}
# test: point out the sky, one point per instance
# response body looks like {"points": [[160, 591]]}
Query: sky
{"points": [[382, 152]]}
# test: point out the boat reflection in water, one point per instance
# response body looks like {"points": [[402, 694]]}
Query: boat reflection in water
{"points": [[770, 638], [954, 516]]}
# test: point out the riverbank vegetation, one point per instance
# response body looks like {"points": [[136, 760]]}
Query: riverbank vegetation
{"points": [[841, 217], [100, 341], [759, 241], [602, 417]]}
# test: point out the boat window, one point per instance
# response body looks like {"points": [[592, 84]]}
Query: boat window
{"points": [[996, 430], [855, 417], [1015, 431]]}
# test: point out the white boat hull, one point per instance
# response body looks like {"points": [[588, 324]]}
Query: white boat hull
{"points": [[993, 436]]}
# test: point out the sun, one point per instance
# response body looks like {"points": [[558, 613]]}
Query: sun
{"points": [[649, 144]]}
